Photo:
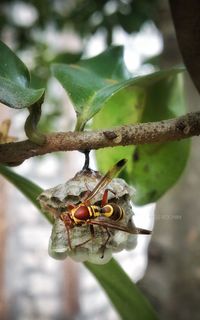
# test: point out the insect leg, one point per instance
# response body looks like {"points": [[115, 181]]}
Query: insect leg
{"points": [[104, 245], [70, 206], [92, 231], [86, 241], [86, 194], [68, 237], [104, 200]]}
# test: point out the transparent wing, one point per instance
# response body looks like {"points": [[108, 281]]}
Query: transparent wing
{"points": [[108, 223], [106, 179]]}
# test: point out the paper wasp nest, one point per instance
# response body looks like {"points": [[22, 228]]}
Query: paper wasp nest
{"points": [[85, 247]]}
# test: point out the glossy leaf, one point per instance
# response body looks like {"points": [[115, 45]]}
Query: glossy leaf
{"points": [[125, 296], [80, 83], [156, 167], [109, 64], [67, 57], [152, 169], [128, 300], [92, 82], [15, 81], [89, 83]]}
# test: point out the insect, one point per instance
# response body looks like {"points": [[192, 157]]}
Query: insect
{"points": [[106, 215]]}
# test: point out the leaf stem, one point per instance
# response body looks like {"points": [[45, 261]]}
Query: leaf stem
{"points": [[30, 126], [80, 124]]}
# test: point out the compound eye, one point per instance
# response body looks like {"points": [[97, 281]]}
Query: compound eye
{"points": [[82, 213]]}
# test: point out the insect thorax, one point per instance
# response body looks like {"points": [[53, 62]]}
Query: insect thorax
{"points": [[82, 213]]}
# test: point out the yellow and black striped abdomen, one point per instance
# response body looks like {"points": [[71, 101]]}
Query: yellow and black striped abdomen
{"points": [[112, 211]]}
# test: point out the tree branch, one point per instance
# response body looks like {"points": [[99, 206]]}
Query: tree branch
{"points": [[183, 127]]}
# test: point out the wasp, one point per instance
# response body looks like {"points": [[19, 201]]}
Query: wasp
{"points": [[107, 215]]}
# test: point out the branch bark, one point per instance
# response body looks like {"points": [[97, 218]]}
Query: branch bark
{"points": [[182, 127]]}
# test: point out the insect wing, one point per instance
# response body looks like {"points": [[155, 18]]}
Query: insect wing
{"points": [[143, 231], [106, 179], [137, 230], [108, 223]]}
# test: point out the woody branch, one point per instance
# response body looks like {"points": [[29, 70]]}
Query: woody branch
{"points": [[182, 127]]}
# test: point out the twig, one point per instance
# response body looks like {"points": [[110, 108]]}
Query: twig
{"points": [[167, 130]]}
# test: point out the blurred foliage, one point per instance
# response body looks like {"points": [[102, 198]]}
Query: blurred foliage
{"points": [[85, 17]]}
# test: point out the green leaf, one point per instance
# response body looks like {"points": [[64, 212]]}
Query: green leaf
{"points": [[80, 83], [67, 57], [89, 83], [128, 300], [108, 64], [12, 67], [157, 167], [15, 81], [27, 187], [125, 296], [152, 169], [92, 82]]}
